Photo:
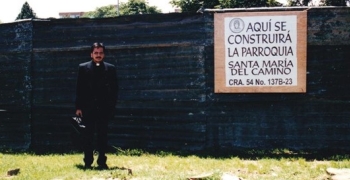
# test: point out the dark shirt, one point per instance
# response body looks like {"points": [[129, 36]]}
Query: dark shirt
{"points": [[99, 84], [96, 86]]}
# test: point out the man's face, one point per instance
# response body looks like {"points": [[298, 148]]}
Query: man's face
{"points": [[97, 55]]}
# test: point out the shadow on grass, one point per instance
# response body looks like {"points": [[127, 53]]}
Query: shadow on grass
{"points": [[241, 153], [82, 167], [246, 154]]}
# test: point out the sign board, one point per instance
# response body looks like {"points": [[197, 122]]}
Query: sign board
{"points": [[260, 52]]}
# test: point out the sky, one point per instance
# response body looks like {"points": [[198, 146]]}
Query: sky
{"points": [[50, 8], [10, 9]]}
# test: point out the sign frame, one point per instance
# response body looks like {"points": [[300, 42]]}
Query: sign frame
{"points": [[220, 54]]}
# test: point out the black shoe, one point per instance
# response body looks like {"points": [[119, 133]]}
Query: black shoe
{"points": [[102, 167], [86, 167]]}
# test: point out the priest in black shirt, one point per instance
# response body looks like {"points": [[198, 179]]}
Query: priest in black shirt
{"points": [[96, 97]]}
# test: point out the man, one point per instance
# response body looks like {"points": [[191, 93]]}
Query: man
{"points": [[96, 96]]}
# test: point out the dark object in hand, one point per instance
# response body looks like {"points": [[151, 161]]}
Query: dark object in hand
{"points": [[77, 123]]}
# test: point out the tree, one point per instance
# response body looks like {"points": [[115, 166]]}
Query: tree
{"points": [[248, 3], [326, 2], [26, 12], [298, 2], [242, 3], [274, 3], [133, 7], [130, 8], [104, 11], [335, 2], [194, 5]]}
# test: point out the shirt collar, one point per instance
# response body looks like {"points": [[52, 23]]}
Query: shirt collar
{"points": [[101, 64]]}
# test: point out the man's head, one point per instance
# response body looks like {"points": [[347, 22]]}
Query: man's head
{"points": [[97, 52]]}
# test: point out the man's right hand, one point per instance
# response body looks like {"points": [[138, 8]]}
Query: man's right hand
{"points": [[79, 113]]}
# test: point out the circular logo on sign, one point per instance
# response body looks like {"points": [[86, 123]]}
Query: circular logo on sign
{"points": [[236, 25]]}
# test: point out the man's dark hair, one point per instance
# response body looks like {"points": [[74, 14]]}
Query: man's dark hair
{"points": [[97, 45]]}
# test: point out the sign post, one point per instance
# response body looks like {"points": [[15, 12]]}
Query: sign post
{"points": [[260, 52]]}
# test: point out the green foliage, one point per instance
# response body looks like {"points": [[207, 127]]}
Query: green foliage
{"points": [[273, 3], [133, 7], [139, 152], [248, 3], [335, 2], [298, 2], [129, 152], [26, 12], [104, 11], [326, 2], [242, 3], [194, 5]]}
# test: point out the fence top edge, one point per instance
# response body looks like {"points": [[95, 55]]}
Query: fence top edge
{"points": [[283, 8]]}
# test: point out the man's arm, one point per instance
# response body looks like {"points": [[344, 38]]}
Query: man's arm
{"points": [[79, 92], [115, 86]]}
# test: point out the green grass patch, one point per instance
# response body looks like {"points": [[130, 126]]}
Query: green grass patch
{"points": [[168, 165]]}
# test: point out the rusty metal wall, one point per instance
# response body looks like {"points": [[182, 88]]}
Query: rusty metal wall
{"points": [[165, 67]]}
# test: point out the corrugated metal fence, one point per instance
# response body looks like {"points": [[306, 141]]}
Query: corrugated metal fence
{"points": [[165, 67]]}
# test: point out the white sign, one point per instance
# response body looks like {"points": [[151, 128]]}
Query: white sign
{"points": [[261, 51]]}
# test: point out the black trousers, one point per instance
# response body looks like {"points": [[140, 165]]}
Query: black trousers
{"points": [[96, 122]]}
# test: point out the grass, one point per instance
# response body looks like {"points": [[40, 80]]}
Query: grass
{"points": [[169, 166]]}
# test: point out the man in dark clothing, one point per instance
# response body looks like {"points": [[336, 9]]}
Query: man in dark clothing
{"points": [[96, 97]]}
